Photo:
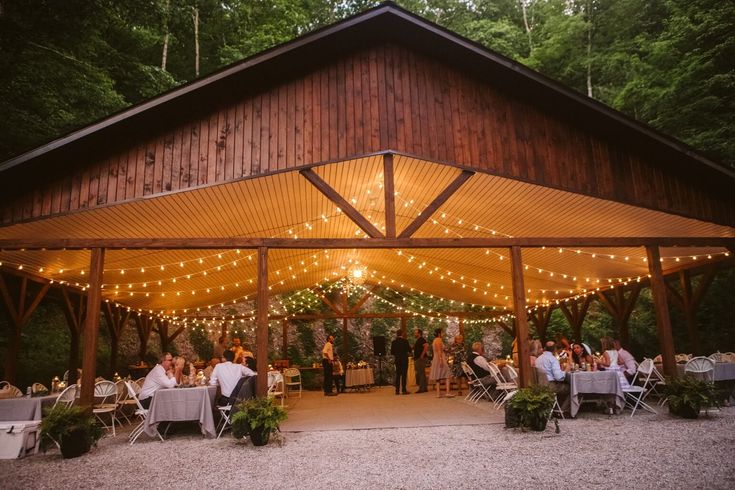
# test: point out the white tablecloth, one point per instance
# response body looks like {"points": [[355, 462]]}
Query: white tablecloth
{"points": [[25, 408], [724, 371], [359, 377], [180, 404], [599, 382], [274, 377]]}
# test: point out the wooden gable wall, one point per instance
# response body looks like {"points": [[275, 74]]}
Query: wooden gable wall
{"points": [[382, 98]]}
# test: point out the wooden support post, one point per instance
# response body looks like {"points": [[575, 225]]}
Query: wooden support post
{"points": [[92, 326], [345, 340], [390, 198], [689, 300], [519, 308], [404, 327], [19, 316], [261, 325], [661, 306], [575, 311], [144, 326], [620, 307], [284, 326], [540, 317], [74, 314]]}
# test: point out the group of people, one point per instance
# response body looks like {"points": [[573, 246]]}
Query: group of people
{"points": [[227, 368], [579, 356]]}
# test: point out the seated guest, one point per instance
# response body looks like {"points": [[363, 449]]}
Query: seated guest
{"points": [[535, 350], [212, 362], [227, 374], [480, 366], [580, 357], [179, 365], [565, 348], [558, 381], [626, 361], [610, 355], [246, 351], [161, 376], [250, 363]]}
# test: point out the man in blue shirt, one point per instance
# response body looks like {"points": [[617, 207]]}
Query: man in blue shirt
{"points": [[550, 371]]}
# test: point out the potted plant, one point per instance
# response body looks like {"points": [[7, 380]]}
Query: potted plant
{"points": [[72, 428], [529, 408], [687, 395], [257, 417]]}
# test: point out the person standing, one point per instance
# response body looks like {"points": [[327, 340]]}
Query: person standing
{"points": [[439, 366], [458, 351], [220, 347], [400, 350], [327, 360], [420, 351]]}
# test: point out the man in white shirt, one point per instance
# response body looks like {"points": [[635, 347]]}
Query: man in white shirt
{"points": [[626, 360], [161, 376], [327, 360], [548, 365], [227, 374]]}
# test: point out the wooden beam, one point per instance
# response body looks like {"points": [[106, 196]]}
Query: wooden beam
{"points": [[436, 203], [621, 307], [390, 196], [519, 307], [363, 299], [330, 316], [661, 307], [326, 300], [74, 314], [116, 318], [284, 328], [144, 326], [92, 326], [341, 203], [19, 317], [261, 327], [509, 329], [540, 318], [193, 243], [575, 312]]}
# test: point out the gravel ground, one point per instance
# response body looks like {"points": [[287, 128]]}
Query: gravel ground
{"points": [[591, 452]]}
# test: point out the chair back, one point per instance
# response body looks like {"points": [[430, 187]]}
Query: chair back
{"points": [[703, 366], [291, 373], [67, 397], [122, 391], [105, 390], [512, 373], [541, 377], [38, 388], [134, 395], [468, 371], [9, 391], [140, 381], [495, 371]]}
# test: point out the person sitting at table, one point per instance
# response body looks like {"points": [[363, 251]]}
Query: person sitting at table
{"points": [[250, 363], [581, 358], [564, 348], [548, 365], [227, 374], [338, 375], [163, 375], [246, 351], [610, 355], [626, 361], [210, 367], [480, 366]]}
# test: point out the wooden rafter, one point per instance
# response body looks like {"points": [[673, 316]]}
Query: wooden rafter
{"points": [[116, 318], [540, 318], [661, 308], [363, 299], [621, 307], [519, 308], [575, 311], [19, 314], [509, 329], [436, 203], [192, 243], [74, 306], [92, 326], [689, 300], [144, 327], [341, 203], [160, 326], [325, 300]]}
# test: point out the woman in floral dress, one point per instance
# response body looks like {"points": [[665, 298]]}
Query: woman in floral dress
{"points": [[458, 353], [439, 367]]}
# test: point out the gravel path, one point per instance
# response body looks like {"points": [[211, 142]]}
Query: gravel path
{"points": [[591, 452]]}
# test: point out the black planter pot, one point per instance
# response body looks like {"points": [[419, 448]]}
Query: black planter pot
{"points": [[75, 444], [260, 436], [538, 424]]}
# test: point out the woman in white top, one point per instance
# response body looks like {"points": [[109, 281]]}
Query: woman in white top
{"points": [[610, 356]]}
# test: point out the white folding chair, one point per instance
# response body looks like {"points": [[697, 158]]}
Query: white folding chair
{"points": [[544, 381], [67, 397], [106, 392], [276, 389], [477, 389], [502, 386], [142, 414], [224, 423], [292, 377], [701, 367], [717, 357], [648, 377], [140, 382], [634, 396], [123, 400]]}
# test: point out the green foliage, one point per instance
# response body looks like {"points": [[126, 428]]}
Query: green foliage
{"points": [[60, 421], [533, 405], [256, 412], [687, 395], [201, 342]]}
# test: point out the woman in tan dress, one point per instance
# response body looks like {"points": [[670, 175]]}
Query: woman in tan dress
{"points": [[439, 366]]}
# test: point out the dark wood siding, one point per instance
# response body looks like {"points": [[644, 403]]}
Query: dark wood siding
{"points": [[386, 97]]}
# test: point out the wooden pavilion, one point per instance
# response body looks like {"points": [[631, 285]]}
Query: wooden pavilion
{"points": [[382, 142]]}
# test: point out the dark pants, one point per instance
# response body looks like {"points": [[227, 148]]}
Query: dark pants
{"points": [[401, 373], [339, 382], [420, 367], [146, 402], [327, 365]]}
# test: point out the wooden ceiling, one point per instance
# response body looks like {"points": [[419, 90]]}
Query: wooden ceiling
{"points": [[286, 205]]}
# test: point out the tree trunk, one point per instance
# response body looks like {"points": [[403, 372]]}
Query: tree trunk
{"points": [[164, 55], [589, 49], [195, 18], [524, 8], [114, 348]]}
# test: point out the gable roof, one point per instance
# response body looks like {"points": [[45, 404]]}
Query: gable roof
{"points": [[387, 23]]}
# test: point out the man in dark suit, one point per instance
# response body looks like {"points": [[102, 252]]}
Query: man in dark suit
{"points": [[400, 350]]}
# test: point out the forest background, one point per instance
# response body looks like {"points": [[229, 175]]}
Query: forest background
{"points": [[667, 63]]}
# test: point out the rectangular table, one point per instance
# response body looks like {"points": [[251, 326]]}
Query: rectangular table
{"points": [[724, 371], [183, 404], [25, 408], [598, 382]]}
